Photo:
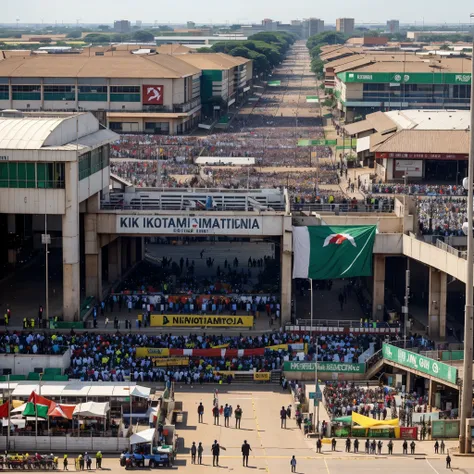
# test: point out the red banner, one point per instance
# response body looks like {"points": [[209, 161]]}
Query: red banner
{"points": [[152, 95], [408, 432]]}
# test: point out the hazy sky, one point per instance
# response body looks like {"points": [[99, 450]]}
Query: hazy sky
{"points": [[234, 11]]}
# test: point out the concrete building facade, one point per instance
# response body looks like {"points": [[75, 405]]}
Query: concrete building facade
{"points": [[345, 25]]}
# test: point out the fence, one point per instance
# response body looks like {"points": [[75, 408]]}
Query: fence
{"points": [[63, 444], [447, 248], [444, 355]]}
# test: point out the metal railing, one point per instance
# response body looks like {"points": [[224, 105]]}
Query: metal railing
{"points": [[340, 323], [453, 251], [341, 208]]}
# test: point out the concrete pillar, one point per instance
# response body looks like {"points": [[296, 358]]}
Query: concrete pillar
{"points": [[124, 253], [431, 393], [115, 259], [286, 280], [141, 253], [408, 383], [133, 250], [93, 254], [379, 287], [70, 230], [438, 287]]}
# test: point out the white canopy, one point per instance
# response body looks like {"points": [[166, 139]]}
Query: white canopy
{"points": [[92, 409], [229, 160], [145, 436], [19, 409]]}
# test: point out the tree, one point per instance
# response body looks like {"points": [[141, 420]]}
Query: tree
{"points": [[317, 66], [103, 27], [328, 37], [240, 51], [97, 38], [445, 47], [143, 36], [74, 34]]}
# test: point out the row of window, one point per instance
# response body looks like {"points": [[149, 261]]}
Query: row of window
{"points": [[32, 175], [93, 161]]}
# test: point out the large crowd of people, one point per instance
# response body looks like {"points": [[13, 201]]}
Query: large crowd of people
{"points": [[442, 216], [415, 189]]}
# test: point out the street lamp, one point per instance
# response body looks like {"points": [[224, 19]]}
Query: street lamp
{"points": [[466, 389]]}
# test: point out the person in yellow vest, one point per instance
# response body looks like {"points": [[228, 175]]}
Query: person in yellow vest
{"points": [[65, 463], [32, 323], [98, 460], [6, 318], [25, 323]]}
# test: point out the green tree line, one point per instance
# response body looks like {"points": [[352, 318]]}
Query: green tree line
{"points": [[265, 49]]}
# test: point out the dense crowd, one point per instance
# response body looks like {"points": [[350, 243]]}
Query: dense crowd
{"points": [[416, 188], [441, 215], [153, 174], [112, 357]]}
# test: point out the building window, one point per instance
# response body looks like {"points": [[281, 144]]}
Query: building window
{"points": [[115, 126], [57, 92], [26, 92], [93, 93], [4, 92], [94, 161], [157, 127], [32, 175], [125, 94]]}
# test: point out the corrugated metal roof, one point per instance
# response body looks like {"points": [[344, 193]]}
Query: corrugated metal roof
{"points": [[26, 133], [427, 141], [378, 121]]}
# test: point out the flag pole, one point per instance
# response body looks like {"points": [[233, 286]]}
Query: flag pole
{"points": [[9, 406]]}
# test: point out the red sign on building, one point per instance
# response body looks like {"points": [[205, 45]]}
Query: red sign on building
{"points": [[152, 95]]}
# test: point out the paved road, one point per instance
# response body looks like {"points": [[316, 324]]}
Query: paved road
{"points": [[272, 447]]}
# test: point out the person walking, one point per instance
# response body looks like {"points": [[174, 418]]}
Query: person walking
{"points": [[293, 464], [448, 461], [390, 447], [379, 447], [193, 453], [215, 412], [367, 447], [238, 416], [442, 446], [356, 445], [200, 412], [200, 450], [412, 447], [65, 463], [283, 417], [436, 447], [245, 453], [216, 450], [333, 444], [348, 445]]}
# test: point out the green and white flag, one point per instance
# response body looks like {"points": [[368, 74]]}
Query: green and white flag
{"points": [[329, 252], [37, 406]]}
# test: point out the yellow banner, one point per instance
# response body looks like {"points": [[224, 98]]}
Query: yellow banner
{"points": [[224, 373], [152, 352], [222, 346], [191, 320], [172, 361], [278, 347], [261, 376]]}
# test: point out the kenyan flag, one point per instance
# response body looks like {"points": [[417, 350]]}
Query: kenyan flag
{"points": [[37, 406]]}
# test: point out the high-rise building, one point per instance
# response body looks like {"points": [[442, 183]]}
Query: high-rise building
{"points": [[191, 25], [138, 23], [269, 25], [312, 26], [345, 25], [393, 26], [122, 26]]}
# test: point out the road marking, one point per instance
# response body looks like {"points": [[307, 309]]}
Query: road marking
{"points": [[432, 467], [259, 436], [327, 467]]}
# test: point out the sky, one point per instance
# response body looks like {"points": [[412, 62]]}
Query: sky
{"points": [[232, 11]]}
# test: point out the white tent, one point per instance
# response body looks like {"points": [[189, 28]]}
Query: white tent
{"points": [[145, 436], [141, 392], [19, 409], [92, 409]]}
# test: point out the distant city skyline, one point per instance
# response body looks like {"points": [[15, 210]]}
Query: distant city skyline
{"points": [[248, 11]]}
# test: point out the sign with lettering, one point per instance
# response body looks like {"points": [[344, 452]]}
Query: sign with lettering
{"points": [[396, 78], [343, 367], [177, 320], [261, 376], [198, 225], [422, 364]]}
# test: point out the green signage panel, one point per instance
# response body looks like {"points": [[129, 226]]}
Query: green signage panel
{"points": [[435, 77], [423, 364], [317, 142], [274, 83], [342, 367]]}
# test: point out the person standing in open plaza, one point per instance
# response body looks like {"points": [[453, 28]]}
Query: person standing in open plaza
{"points": [[293, 464], [193, 453], [283, 416], [200, 450], [238, 416], [200, 412]]}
